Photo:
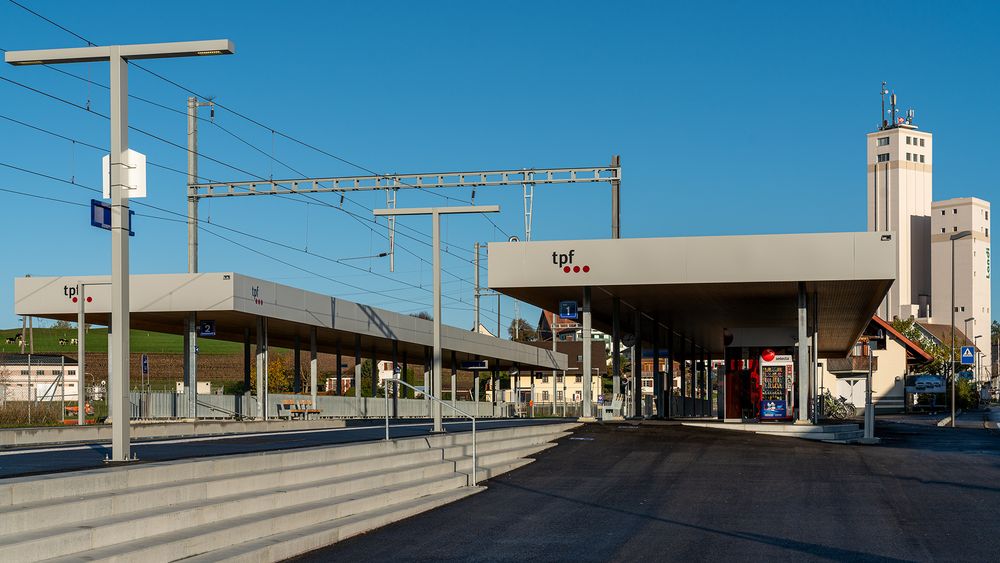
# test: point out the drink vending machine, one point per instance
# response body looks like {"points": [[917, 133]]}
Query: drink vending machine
{"points": [[777, 376]]}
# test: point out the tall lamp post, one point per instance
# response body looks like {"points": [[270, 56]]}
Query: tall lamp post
{"points": [[951, 354], [118, 56], [435, 213]]}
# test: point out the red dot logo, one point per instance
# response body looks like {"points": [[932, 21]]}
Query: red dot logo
{"points": [[576, 269], [89, 299], [74, 300], [586, 269], [566, 269]]}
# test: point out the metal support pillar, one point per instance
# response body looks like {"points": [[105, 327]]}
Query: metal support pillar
{"points": [[615, 201], [684, 377], [555, 390], [637, 366], [261, 363], [454, 382], [81, 351], [494, 382], [395, 375], [657, 375], [313, 366], [802, 384], [706, 393], [297, 366], [616, 346], [246, 360], [357, 372], [814, 374], [340, 371], [374, 371], [672, 355], [119, 351], [588, 407]]}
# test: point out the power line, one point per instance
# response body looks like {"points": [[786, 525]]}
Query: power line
{"points": [[256, 122]]}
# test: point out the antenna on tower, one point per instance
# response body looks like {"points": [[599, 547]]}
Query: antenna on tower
{"points": [[892, 102], [881, 120]]}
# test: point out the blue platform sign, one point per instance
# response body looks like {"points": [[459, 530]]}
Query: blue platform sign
{"points": [[145, 364], [968, 355], [568, 310], [100, 216], [773, 410], [206, 328]]}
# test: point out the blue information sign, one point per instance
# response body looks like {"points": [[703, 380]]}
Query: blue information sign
{"points": [[100, 216], [968, 355], [206, 328], [568, 310]]}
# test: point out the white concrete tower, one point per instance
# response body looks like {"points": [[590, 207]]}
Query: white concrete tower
{"points": [[972, 264], [899, 199]]}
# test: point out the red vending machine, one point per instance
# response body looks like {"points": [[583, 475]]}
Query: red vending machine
{"points": [[776, 379]]}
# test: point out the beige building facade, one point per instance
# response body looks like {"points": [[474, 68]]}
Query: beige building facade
{"points": [[973, 297], [900, 163]]}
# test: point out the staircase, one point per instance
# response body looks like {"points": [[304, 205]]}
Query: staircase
{"points": [[255, 507], [839, 433]]}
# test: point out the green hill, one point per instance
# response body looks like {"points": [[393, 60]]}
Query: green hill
{"points": [[47, 342]]}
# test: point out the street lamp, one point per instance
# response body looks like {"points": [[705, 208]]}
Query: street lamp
{"points": [[118, 56], [951, 354], [435, 213], [975, 350]]}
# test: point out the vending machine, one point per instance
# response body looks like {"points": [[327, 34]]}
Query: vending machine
{"points": [[776, 381]]}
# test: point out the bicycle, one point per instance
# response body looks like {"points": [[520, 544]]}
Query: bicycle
{"points": [[837, 409]]}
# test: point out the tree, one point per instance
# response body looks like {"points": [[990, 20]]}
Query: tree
{"points": [[423, 315], [940, 353], [521, 331], [995, 332], [279, 374]]}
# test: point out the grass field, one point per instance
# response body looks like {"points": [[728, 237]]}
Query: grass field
{"points": [[47, 342]]}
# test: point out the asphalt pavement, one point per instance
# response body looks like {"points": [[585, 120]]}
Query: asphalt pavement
{"points": [[672, 493], [53, 459]]}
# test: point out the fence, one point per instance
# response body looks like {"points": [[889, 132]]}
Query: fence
{"points": [[160, 404]]}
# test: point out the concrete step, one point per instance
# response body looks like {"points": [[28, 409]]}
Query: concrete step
{"points": [[224, 533], [483, 448], [37, 488], [111, 529], [821, 436], [282, 546], [62, 510]]}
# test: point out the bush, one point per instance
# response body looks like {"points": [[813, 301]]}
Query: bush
{"points": [[16, 414]]}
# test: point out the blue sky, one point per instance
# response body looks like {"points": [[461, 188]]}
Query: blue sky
{"points": [[730, 118]]}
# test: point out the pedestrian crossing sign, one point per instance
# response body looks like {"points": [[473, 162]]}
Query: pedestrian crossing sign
{"points": [[968, 355]]}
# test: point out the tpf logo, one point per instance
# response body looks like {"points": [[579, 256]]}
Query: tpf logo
{"points": [[255, 292], [70, 291], [565, 261]]}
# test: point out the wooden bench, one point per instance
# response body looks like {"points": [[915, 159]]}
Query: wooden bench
{"points": [[297, 408]]}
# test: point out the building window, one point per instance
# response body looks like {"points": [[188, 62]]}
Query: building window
{"points": [[39, 372], [942, 212], [884, 157], [71, 372], [942, 229], [955, 229], [25, 372], [908, 140], [545, 379], [987, 232], [907, 156], [559, 379], [987, 215], [921, 142], [545, 395], [579, 379], [921, 158], [579, 357], [559, 396], [883, 141], [954, 211]]}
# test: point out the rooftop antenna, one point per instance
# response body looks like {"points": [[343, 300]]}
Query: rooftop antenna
{"points": [[882, 118], [892, 102], [909, 116]]}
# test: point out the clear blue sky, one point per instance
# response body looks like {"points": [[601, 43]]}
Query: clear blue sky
{"points": [[730, 118]]}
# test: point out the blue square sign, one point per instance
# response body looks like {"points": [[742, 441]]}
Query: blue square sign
{"points": [[968, 355], [568, 310]]}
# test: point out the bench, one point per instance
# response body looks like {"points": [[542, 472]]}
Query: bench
{"points": [[73, 409], [297, 408]]}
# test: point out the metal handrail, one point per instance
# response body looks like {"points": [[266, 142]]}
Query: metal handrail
{"points": [[475, 466]]}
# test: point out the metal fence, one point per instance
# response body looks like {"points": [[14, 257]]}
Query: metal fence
{"points": [[159, 404]]}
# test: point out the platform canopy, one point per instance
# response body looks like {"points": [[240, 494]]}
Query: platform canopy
{"points": [[702, 288], [162, 303]]}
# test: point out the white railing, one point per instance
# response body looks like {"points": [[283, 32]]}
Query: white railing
{"points": [[475, 466]]}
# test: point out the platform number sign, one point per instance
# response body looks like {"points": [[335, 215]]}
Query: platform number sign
{"points": [[145, 364], [206, 328], [968, 355], [568, 310]]}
